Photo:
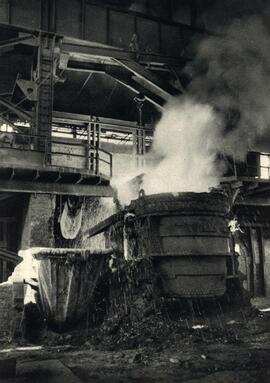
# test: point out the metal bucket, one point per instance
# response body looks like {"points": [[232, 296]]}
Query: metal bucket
{"points": [[67, 280], [187, 235]]}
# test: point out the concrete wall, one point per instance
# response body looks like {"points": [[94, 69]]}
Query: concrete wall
{"points": [[72, 154], [11, 310], [38, 226], [39, 223], [14, 157], [5, 310]]}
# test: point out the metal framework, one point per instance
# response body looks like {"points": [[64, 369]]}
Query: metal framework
{"points": [[44, 78]]}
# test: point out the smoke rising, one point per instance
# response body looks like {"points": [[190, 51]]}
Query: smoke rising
{"points": [[226, 110], [186, 142], [232, 73]]}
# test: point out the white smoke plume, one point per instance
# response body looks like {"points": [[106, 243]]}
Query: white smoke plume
{"points": [[186, 142], [183, 157], [226, 110]]}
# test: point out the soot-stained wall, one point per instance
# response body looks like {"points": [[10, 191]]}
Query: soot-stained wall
{"points": [[38, 222]]}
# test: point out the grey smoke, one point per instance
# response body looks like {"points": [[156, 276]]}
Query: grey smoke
{"points": [[226, 110], [232, 73]]}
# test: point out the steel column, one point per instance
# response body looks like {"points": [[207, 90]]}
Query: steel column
{"points": [[44, 80]]}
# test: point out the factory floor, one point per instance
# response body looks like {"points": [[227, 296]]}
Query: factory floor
{"points": [[233, 348]]}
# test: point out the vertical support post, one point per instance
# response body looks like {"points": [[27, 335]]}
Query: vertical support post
{"points": [[97, 162], [256, 248], [74, 132], [92, 145], [97, 145], [262, 260], [45, 15], [93, 142], [111, 165], [134, 143], [258, 165], [97, 135], [47, 151], [265, 240], [140, 133], [88, 146], [44, 76], [52, 15], [9, 12], [250, 271], [140, 146], [232, 258]]}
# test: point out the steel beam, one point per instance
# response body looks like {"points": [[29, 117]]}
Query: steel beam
{"points": [[127, 81], [4, 196], [10, 256], [88, 66], [109, 124], [74, 46], [122, 59], [253, 202], [79, 48], [16, 41], [18, 28], [56, 188], [132, 75], [257, 191], [14, 108], [145, 82], [148, 80], [45, 67], [155, 87], [6, 121], [105, 123]]}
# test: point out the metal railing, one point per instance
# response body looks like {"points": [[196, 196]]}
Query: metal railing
{"points": [[61, 152]]}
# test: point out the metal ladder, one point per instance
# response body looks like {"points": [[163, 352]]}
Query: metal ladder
{"points": [[45, 79]]}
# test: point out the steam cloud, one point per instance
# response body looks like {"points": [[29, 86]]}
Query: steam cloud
{"points": [[186, 143], [226, 110]]}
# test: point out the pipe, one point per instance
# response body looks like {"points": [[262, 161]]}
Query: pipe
{"points": [[47, 252]]}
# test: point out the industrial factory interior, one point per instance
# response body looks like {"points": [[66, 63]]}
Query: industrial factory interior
{"points": [[134, 191]]}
